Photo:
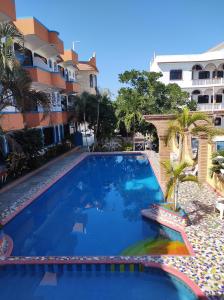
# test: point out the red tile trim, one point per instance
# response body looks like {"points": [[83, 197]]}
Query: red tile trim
{"points": [[197, 291]]}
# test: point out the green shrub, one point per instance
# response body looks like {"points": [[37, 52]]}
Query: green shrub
{"points": [[16, 164]]}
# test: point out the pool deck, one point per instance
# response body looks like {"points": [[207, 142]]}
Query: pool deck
{"points": [[205, 234]]}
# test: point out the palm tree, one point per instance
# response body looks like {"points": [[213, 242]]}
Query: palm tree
{"points": [[80, 108], [17, 85], [8, 34], [129, 111], [176, 176], [15, 82], [186, 125]]}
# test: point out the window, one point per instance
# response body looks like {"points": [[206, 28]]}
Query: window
{"points": [[196, 92], [91, 80], [61, 71], [63, 102], [219, 146], [95, 83], [203, 98], [220, 74], [66, 130], [48, 136], [204, 75], [176, 75], [218, 121], [197, 68], [44, 60], [50, 63], [218, 98], [217, 74], [24, 56]]}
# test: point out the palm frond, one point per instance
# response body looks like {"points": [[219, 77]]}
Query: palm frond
{"points": [[173, 129], [180, 168], [189, 178], [199, 116], [169, 188], [167, 166]]}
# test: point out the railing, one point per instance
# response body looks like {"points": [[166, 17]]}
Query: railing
{"points": [[210, 106], [209, 81]]}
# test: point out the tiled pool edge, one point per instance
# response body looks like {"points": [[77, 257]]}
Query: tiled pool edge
{"points": [[81, 260], [42, 190], [179, 229], [197, 291]]}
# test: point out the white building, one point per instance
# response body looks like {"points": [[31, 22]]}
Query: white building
{"points": [[201, 75]]}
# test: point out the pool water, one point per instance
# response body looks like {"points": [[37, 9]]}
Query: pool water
{"points": [[37, 284], [93, 210]]}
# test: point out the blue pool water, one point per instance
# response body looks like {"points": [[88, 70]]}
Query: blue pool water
{"points": [[93, 210], [37, 284]]}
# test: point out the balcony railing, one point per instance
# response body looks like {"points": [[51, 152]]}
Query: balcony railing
{"points": [[209, 81], [210, 106]]}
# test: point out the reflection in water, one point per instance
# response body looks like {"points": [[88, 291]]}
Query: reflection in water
{"points": [[93, 210]]}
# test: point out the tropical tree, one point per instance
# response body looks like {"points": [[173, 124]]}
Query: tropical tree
{"points": [[218, 164], [129, 110], [154, 96], [8, 34], [184, 126], [145, 94], [15, 82], [176, 175], [96, 112], [18, 91]]}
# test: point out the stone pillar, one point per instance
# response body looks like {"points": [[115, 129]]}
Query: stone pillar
{"points": [[203, 158], [164, 154]]}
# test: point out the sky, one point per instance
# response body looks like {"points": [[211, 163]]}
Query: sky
{"points": [[125, 33]]}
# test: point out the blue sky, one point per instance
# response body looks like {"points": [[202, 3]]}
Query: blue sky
{"points": [[125, 33]]}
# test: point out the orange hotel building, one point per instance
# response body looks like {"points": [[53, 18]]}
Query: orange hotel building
{"points": [[53, 70]]}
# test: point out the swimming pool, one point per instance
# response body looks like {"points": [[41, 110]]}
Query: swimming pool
{"points": [[35, 282], [93, 210]]}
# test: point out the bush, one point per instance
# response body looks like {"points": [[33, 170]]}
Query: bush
{"points": [[127, 147], [30, 142], [16, 164]]}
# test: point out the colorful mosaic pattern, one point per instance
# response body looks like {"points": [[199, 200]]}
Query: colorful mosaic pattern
{"points": [[206, 235]]}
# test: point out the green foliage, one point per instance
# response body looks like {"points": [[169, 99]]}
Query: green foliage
{"points": [[217, 164], [56, 150], [28, 152], [176, 175], [99, 112], [145, 94], [16, 164], [31, 143], [153, 96], [15, 81], [127, 147]]}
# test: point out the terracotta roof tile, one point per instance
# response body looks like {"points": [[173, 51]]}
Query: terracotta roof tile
{"points": [[85, 66]]}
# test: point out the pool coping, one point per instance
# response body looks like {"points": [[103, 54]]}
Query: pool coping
{"points": [[99, 259]]}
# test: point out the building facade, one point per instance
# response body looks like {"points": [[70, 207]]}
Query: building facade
{"points": [[53, 70], [201, 75]]}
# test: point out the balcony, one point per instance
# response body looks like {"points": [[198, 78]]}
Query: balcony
{"points": [[58, 81], [210, 81], [33, 119], [7, 10], [210, 107], [72, 87], [11, 121], [39, 37], [46, 78]]}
